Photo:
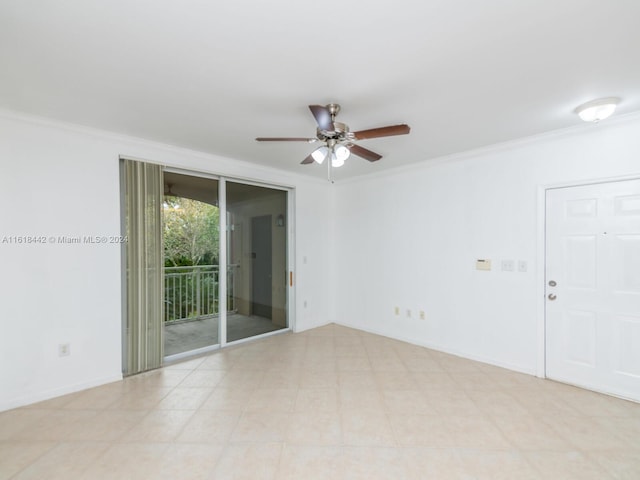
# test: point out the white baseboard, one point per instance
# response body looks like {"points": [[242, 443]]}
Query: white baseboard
{"points": [[56, 392], [311, 327], [445, 349]]}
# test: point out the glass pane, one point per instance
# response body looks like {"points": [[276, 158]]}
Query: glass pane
{"points": [[191, 267], [257, 260]]}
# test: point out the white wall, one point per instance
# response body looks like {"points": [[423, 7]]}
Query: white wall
{"points": [[407, 238], [410, 238], [64, 180]]}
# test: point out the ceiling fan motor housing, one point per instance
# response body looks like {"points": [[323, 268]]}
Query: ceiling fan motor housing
{"points": [[340, 132]]}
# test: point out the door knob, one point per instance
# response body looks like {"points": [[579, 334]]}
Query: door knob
{"points": [[552, 296], [552, 283]]}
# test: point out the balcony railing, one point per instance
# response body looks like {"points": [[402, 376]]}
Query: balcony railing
{"points": [[191, 293]]}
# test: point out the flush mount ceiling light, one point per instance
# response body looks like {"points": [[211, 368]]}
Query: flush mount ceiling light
{"points": [[597, 110]]}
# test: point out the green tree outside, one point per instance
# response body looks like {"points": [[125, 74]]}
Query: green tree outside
{"points": [[191, 232]]}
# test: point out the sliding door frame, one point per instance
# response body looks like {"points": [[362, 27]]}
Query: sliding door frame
{"points": [[223, 257]]}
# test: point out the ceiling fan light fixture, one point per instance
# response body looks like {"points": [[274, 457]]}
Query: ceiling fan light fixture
{"points": [[335, 161], [597, 110], [319, 154], [339, 155]]}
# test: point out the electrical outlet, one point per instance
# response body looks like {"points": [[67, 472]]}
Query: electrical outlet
{"points": [[522, 265], [422, 316], [64, 350], [397, 310]]}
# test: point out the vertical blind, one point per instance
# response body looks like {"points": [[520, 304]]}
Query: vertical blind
{"points": [[143, 195]]}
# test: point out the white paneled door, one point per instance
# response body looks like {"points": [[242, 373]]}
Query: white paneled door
{"points": [[593, 286]]}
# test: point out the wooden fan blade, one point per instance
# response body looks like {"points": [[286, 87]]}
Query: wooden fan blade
{"points": [[307, 160], [322, 116], [364, 153], [382, 132], [285, 139]]}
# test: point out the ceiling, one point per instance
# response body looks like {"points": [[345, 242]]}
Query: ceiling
{"points": [[212, 76]]}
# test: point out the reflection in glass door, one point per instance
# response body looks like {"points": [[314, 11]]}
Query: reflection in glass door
{"points": [[256, 260]]}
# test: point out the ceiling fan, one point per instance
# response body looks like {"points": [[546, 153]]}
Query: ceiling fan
{"points": [[337, 139]]}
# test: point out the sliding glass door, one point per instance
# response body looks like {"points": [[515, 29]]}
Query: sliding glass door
{"points": [[256, 251], [206, 263], [206, 305]]}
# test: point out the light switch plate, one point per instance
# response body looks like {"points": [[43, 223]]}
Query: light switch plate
{"points": [[508, 265]]}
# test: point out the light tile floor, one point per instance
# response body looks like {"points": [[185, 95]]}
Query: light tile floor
{"points": [[330, 403]]}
